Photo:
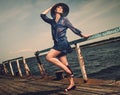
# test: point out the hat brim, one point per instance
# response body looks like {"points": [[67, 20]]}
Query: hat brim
{"points": [[65, 9]]}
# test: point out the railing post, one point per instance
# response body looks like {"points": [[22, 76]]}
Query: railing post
{"points": [[27, 70], [11, 69], [5, 69], [81, 62], [41, 68], [19, 70]]}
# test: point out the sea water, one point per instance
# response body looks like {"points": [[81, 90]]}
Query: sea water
{"points": [[101, 61]]}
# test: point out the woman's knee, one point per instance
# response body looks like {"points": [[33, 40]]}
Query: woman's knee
{"points": [[48, 57], [52, 54]]}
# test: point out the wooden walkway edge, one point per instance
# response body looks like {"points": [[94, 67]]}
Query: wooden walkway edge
{"points": [[34, 85]]}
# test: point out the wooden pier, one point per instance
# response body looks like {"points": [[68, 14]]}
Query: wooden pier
{"points": [[35, 85], [27, 84]]}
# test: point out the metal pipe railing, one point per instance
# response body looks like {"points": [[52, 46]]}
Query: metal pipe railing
{"points": [[40, 65], [78, 51]]}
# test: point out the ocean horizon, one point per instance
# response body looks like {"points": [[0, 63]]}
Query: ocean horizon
{"points": [[102, 61]]}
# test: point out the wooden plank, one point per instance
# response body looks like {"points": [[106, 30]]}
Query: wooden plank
{"points": [[48, 86]]}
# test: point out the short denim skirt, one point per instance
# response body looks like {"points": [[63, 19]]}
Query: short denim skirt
{"points": [[63, 46]]}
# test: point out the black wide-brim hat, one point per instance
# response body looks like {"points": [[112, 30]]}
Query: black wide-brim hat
{"points": [[65, 9]]}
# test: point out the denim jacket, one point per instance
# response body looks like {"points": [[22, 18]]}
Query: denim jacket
{"points": [[59, 28]]}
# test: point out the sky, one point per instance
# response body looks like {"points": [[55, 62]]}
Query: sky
{"points": [[22, 31]]}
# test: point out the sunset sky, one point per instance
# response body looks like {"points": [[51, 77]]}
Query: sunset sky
{"points": [[22, 31]]}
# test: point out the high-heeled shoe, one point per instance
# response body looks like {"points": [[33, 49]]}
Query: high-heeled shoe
{"points": [[69, 76], [72, 88]]}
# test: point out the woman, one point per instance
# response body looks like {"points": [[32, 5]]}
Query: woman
{"points": [[59, 25]]}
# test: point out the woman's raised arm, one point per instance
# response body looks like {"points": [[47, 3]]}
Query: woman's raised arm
{"points": [[47, 10]]}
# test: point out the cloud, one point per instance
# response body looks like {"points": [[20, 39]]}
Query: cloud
{"points": [[22, 30], [97, 14], [100, 11], [21, 51], [13, 13]]}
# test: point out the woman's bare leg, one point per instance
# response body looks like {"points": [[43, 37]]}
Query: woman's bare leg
{"points": [[63, 59], [51, 57]]}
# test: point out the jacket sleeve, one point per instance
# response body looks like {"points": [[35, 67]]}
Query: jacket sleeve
{"points": [[45, 18], [70, 26]]}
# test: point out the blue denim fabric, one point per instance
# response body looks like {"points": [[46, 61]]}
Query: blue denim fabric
{"points": [[59, 33], [63, 46]]}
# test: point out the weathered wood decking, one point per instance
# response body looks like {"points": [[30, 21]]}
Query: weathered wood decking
{"points": [[34, 85]]}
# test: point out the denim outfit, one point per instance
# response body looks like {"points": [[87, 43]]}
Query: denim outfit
{"points": [[59, 33]]}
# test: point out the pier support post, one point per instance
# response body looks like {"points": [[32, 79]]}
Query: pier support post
{"points": [[81, 62], [41, 68], [11, 69], [42, 71], [5, 69], [19, 69], [27, 70]]}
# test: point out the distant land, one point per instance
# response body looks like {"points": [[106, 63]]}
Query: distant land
{"points": [[110, 40]]}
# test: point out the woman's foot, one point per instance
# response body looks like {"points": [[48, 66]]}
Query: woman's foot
{"points": [[70, 88]]}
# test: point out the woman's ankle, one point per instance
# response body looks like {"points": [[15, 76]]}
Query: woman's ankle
{"points": [[68, 66]]}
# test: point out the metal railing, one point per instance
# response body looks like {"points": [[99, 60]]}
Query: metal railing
{"points": [[40, 65], [78, 50]]}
